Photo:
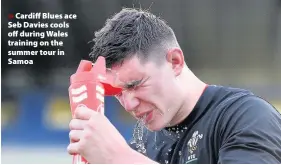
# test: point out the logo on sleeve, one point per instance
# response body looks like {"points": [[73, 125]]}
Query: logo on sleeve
{"points": [[192, 146]]}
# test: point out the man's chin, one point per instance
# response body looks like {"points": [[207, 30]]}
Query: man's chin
{"points": [[154, 126]]}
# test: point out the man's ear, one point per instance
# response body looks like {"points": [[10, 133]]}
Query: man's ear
{"points": [[176, 58]]}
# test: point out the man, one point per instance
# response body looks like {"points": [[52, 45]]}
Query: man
{"points": [[186, 120]]}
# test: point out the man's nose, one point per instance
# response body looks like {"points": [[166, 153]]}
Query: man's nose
{"points": [[129, 101]]}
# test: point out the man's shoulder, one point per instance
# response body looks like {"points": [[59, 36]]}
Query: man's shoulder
{"points": [[248, 111], [223, 97], [229, 92], [253, 107], [251, 124], [240, 100], [240, 104]]}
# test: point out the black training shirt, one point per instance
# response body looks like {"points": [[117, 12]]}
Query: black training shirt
{"points": [[227, 125]]}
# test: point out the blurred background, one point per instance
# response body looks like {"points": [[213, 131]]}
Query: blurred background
{"points": [[226, 42]]}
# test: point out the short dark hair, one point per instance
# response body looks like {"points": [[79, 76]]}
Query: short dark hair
{"points": [[132, 32]]}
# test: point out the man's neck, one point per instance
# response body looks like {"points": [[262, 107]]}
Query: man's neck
{"points": [[194, 89]]}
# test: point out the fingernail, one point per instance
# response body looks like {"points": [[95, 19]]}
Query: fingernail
{"points": [[81, 106]]}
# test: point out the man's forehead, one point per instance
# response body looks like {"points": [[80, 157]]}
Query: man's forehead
{"points": [[130, 70], [131, 62]]}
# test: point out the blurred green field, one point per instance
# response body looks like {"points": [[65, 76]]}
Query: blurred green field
{"points": [[35, 155], [277, 105]]}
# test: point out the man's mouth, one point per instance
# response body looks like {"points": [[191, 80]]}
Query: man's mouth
{"points": [[145, 116]]}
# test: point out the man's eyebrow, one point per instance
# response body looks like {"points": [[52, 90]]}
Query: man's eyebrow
{"points": [[135, 83]]}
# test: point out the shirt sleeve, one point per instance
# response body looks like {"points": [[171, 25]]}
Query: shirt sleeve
{"points": [[250, 133]]}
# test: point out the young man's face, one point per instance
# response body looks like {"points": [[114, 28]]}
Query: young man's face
{"points": [[150, 92]]}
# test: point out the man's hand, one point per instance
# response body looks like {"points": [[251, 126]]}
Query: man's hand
{"points": [[95, 138]]}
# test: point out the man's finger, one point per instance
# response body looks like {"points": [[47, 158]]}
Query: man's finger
{"points": [[77, 124], [73, 148], [83, 113], [75, 135]]}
